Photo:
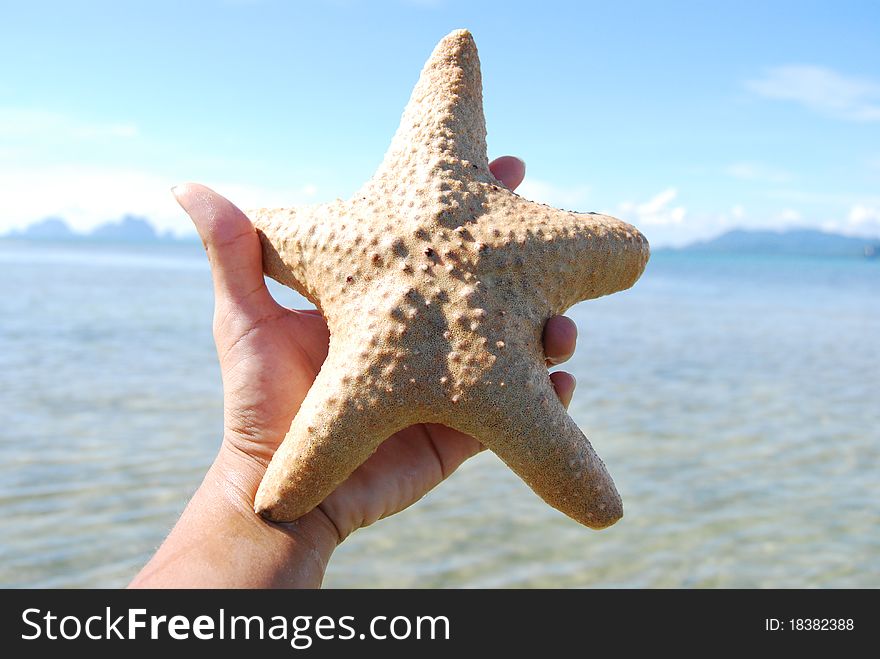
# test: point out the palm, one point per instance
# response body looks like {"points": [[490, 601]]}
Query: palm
{"points": [[269, 361]]}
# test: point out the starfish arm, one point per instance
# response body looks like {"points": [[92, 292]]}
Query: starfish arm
{"points": [[443, 126], [294, 244], [340, 423], [563, 257], [525, 424]]}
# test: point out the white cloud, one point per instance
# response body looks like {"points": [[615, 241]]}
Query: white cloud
{"points": [[862, 215], [656, 211], [19, 124], [822, 90], [732, 218], [751, 171], [796, 196], [547, 193], [863, 221], [42, 175], [789, 215], [88, 196]]}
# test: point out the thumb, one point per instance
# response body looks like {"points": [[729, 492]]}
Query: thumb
{"points": [[231, 242]]}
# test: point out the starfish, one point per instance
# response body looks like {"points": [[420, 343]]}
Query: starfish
{"points": [[436, 282]]}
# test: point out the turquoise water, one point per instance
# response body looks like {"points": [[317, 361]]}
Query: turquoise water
{"points": [[733, 398]]}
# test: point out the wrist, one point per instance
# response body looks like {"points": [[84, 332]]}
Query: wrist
{"points": [[309, 541], [220, 542]]}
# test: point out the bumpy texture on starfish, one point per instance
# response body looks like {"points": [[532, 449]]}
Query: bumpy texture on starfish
{"points": [[436, 282]]}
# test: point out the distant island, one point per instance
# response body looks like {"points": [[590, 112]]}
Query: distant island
{"points": [[128, 229], [794, 242]]}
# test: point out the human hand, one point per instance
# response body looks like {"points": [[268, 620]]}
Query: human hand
{"points": [[269, 356]]}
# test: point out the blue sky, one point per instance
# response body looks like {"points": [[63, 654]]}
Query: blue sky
{"points": [[685, 118]]}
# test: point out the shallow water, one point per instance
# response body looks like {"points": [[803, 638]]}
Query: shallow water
{"points": [[733, 398]]}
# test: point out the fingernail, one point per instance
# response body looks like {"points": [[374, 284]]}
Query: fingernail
{"points": [[185, 200], [574, 384], [554, 361], [177, 191]]}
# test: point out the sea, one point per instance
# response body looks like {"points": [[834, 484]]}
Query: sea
{"points": [[734, 398]]}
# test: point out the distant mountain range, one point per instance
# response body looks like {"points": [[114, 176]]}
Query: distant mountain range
{"points": [[128, 229], [794, 242]]}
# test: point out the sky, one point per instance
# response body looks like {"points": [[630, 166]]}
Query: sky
{"points": [[684, 118]]}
